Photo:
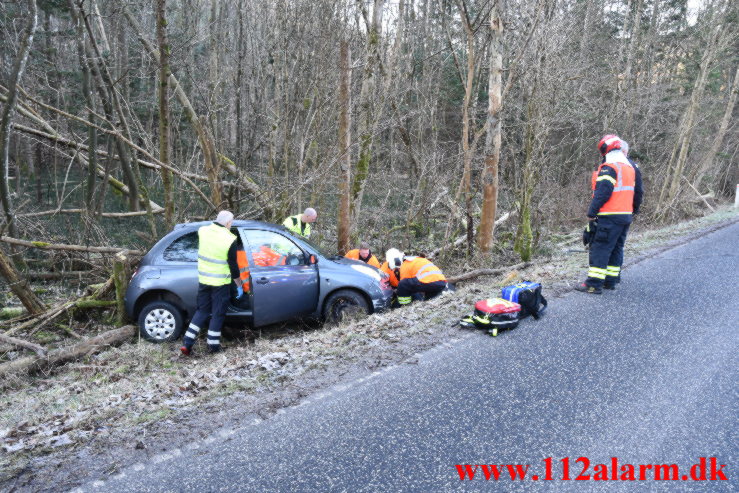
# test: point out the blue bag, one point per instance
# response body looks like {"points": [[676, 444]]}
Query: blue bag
{"points": [[528, 295]]}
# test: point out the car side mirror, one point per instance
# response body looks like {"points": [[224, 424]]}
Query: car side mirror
{"points": [[313, 260]]}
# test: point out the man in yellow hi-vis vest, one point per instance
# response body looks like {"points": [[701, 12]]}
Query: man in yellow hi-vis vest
{"points": [[217, 269], [300, 223]]}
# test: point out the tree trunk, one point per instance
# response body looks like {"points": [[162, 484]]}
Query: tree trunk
{"points": [[465, 189], [121, 275], [344, 220], [91, 131], [16, 72], [367, 106], [19, 286], [493, 138], [164, 141], [628, 89]]}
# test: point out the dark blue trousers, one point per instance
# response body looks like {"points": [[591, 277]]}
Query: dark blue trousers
{"points": [[408, 288], [212, 304], [607, 252]]}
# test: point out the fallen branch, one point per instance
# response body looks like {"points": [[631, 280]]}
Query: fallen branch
{"points": [[82, 211], [55, 311], [73, 248], [19, 285], [463, 238], [35, 364], [700, 197], [486, 272], [21, 343], [65, 274]]}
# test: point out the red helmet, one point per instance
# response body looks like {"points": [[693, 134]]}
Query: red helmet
{"points": [[609, 143]]}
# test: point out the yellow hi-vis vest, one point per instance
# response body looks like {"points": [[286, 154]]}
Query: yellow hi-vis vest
{"points": [[214, 242], [293, 223]]}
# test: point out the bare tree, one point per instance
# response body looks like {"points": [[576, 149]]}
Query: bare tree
{"points": [[16, 72], [164, 140], [493, 139], [345, 157]]}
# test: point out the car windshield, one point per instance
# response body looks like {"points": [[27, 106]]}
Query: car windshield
{"points": [[313, 245]]}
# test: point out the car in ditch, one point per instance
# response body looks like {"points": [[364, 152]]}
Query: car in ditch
{"points": [[305, 284]]}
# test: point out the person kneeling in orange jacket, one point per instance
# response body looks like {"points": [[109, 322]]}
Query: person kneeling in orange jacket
{"points": [[412, 275]]}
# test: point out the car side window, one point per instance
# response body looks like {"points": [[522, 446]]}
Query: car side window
{"points": [[270, 249], [183, 249]]}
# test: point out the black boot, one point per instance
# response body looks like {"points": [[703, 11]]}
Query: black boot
{"points": [[585, 288]]}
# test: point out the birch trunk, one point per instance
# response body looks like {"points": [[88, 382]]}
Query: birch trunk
{"points": [[494, 138]]}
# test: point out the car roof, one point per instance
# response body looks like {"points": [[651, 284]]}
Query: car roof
{"points": [[238, 223]]}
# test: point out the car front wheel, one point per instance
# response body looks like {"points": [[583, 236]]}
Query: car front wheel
{"points": [[161, 321], [345, 304]]}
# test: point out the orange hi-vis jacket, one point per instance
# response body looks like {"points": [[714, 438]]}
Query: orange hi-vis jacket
{"points": [[354, 255], [266, 257], [243, 263], [393, 278], [422, 269], [622, 198]]}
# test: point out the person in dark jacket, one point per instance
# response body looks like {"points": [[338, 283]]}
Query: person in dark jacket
{"points": [[617, 196]]}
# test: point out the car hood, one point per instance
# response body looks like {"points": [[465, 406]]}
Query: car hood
{"points": [[348, 261]]}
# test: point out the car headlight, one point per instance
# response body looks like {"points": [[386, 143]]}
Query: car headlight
{"points": [[369, 271]]}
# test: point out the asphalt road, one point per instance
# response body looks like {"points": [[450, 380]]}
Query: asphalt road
{"points": [[647, 374]]}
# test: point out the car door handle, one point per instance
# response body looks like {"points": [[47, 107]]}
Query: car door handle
{"points": [[262, 280]]}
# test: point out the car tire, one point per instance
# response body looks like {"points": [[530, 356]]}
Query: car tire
{"points": [[343, 305], [161, 321]]}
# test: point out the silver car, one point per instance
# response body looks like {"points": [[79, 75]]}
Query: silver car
{"points": [[306, 284]]}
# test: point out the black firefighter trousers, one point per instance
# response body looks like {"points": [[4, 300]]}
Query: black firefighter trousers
{"points": [[607, 250]]}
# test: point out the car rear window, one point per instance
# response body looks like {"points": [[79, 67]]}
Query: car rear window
{"points": [[183, 249]]}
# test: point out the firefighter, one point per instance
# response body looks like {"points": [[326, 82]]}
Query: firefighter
{"points": [[393, 273], [300, 223], [217, 268], [617, 196], [415, 275], [364, 254]]}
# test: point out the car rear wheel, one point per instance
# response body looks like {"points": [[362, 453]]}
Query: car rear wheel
{"points": [[161, 321], [345, 304]]}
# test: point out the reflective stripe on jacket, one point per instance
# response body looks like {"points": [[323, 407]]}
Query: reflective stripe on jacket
{"points": [[297, 226], [393, 278], [214, 242], [354, 255], [422, 269], [622, 198]]}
